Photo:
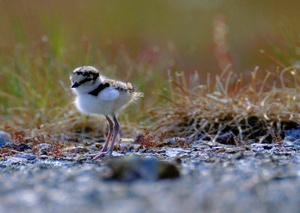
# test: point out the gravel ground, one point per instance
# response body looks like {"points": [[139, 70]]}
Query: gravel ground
{"points": [[213, 178]]}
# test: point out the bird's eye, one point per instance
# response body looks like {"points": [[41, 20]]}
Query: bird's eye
{"points": [[85, 80]]}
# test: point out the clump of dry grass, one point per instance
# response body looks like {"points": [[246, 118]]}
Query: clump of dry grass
{"points": [[229, 113]]}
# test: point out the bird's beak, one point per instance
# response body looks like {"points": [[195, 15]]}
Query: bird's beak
{"points": [[74, 85]]}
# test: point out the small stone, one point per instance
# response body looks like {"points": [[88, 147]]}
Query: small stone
{"points": [[20, 147], [4, 138], [178, 160], [26, 156], [76, 149], [134, 168], [231, 150], [43, 157], [43, 148], [292, 134]]}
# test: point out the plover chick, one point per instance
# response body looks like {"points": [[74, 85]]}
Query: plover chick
{"points": [[97, 95]]}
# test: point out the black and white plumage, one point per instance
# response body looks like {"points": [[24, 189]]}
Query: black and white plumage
{"points": [[98, 95]]}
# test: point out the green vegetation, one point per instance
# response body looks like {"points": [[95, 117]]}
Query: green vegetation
{"points": [[176, 52]]}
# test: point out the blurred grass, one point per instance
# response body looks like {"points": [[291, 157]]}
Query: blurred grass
{"points": [[41, 42]]}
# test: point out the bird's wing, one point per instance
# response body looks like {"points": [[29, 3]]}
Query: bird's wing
{"points": [[109, 94]]}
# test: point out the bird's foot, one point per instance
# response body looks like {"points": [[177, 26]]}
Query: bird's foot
{"points": [[101, 154]]}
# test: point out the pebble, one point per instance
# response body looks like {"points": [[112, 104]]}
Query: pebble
{"points": [[133, 168], [19, 147], [25, 156], [5, 138], [292, 135]]}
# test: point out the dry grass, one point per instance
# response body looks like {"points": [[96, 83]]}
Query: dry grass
{"points": [[231, 114]]}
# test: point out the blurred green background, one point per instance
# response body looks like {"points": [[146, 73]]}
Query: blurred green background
{"points": [[41, 42]]}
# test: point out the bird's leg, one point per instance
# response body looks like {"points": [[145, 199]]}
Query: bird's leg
{"points": [[116, 130], [104, 149], [109, 134]]}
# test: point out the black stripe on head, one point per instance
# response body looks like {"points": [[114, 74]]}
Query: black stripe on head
{"points": [[87, 71], [101, 87]]}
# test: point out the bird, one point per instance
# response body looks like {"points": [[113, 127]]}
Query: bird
{"points": [[98, 95]]}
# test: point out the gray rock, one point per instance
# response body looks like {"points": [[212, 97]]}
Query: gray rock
{"points": [[292, 135], [133, 167], [25, 156], [19, 147], [4, 138]]}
